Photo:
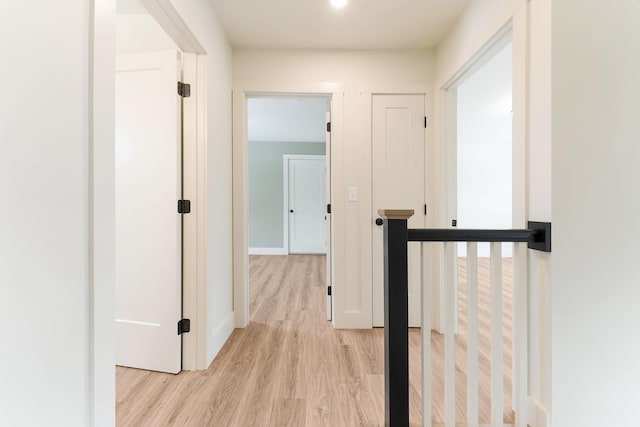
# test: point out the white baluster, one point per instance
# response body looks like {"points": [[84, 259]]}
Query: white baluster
{"points": [[450, 272], [472, 333], [520, 329], [497, 377], [426, 336]]}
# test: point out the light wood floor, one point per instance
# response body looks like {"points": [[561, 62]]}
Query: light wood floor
{"points": [[289, 367]]}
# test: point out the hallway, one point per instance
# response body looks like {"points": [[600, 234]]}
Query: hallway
{"points": [[289, 367]]}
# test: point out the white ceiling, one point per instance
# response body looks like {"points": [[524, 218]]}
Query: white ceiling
{"points": [[286, 119], [315, 24]]}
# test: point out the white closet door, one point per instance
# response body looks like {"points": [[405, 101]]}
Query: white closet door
{"points": [[398, 183], [148, 226]]}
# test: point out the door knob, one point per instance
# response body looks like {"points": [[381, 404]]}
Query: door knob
{"points": [[379, 222]]}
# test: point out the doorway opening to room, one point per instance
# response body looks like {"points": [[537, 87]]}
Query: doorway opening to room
{"points": [[148, 172], [484, 186], [289, 194], [483, 149], [159, 201]]}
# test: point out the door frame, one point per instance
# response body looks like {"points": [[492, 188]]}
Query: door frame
{"points": [[285, 188], [366, 186], [516, 30], [101, 210], [241, 92], [426, 177], [194, 176], [448, 135]]}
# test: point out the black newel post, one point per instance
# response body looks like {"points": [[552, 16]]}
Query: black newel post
{"points": [[396, 318]]}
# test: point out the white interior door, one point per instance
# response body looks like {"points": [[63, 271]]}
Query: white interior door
{"points": [[328, 224], [398, 183], [307, 206], [148, 226]]}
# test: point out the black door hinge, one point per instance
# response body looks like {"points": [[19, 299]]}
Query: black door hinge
{"points": [[425, 209], [329, 208], [425, 122], [184, 326], [184, 89], [184, 206], [328, 126], [454, 222], [329, 290]]}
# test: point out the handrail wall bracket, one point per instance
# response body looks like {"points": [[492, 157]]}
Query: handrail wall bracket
{"points": [[543, 236]]}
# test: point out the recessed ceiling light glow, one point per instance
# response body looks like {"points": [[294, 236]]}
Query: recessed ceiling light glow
{"points": [[338, 3]]}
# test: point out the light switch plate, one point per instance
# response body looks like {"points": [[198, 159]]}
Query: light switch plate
{"points": [[352, 194]]}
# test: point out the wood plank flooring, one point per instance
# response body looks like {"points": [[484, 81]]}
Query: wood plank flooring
{"points": [[289, 367]]}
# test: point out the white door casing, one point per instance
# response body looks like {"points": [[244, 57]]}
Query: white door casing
{"points": [[398, 138], [306, 204], [328, 214], [148, 226]]}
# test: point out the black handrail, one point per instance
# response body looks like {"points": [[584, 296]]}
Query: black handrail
{"points": [[537, 235], [396, 307], [462, 235]]}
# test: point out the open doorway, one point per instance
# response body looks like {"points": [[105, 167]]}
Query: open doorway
{"points": [[484, 171], [157, 169], [289, 189], [484, 192], [148, 230]]}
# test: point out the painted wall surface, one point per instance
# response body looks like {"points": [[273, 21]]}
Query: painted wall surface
{"points": [[481, 20], [596, 280], [360, 72], [266, 193], [203, 23], [44, 239]]}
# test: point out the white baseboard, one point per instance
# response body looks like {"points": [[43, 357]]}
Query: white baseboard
{"points": [[267, 251], [538, 415], [220, 336]]}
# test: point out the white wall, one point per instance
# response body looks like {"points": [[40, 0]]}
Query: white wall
{"points": [[596, 206], [360, 72], [44, 222], [482, 20], [202, 21]]}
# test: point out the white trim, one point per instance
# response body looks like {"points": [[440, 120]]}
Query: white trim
{"points": [[101, 393], [194, 305], [242, 91], [268, 251], [172, 23], [329, 217], [221, 334], [520, 197], [483, 55], [538, 415], [285, 203]]}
